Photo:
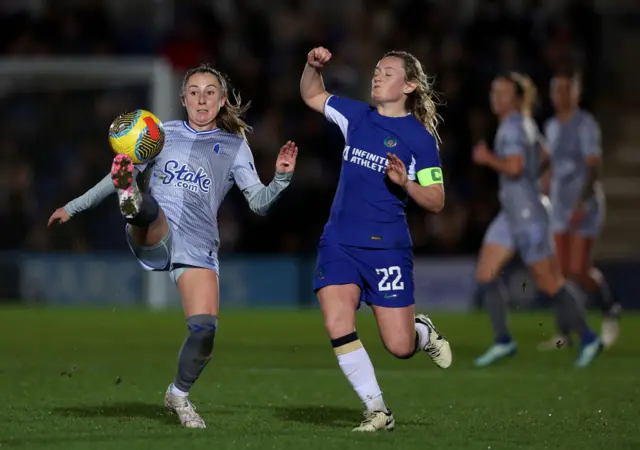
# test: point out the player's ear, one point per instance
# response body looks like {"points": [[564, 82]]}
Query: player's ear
{"points": [[184, 105], [410, 87], [223, 101]]}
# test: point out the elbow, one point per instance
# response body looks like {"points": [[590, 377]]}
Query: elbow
{"points": [[315, 101], [433, 205], [260, 211], [437, 207]]}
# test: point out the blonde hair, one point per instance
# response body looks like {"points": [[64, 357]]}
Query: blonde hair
{"points": [[230, 116], [423, 101], [526, 90]]}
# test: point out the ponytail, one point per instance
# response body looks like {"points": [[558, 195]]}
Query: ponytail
{"points": [[526, 90]]}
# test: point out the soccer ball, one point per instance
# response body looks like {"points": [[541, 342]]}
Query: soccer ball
{"points": [[138, 134]]}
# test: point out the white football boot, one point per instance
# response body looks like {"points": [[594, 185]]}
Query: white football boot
{"points": [[183, 408], [376, 421], [438, 348], [610, 330]]}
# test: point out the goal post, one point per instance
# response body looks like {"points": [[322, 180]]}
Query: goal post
{"points": [[67, 72], [87, 83]]}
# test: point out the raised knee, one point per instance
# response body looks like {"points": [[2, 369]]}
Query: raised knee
{"points": [[401, 348]]}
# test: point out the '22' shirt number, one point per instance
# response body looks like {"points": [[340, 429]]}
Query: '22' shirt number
{"points": [[391, 279]]}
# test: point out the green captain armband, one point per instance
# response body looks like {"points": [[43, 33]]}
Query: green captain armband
{"points": [[429, 176]]}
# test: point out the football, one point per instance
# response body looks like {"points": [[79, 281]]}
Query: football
{"points": [[138, 134]]}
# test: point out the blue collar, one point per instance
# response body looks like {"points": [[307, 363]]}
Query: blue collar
{"points": [[188, 127]]}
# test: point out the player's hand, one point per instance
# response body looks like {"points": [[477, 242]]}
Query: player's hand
{"points": [[481, 153], [577, 217], [397, 171], [318, 57], [59, 216], [287, 157]]}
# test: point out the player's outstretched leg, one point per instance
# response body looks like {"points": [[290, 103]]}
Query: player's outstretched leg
{"points": [[357, 367], [194, 355], [200, 295], [404, 334], [130, 199], [339, 304], [495, 253], [593, 283], [566, 301], [562, 337]]}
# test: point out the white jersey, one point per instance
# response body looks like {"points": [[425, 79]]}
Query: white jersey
{"points": [[190, 178]]}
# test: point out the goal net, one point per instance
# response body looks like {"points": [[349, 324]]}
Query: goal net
{"points": [[55, 114]]}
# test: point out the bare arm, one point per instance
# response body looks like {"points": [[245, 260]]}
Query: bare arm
{"points": [[428, 193], [593, 174], [430, 197], [312, 87], [511, 165]]}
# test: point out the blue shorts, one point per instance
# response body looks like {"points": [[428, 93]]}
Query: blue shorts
{"points": [[533, 243], [385, 276]]}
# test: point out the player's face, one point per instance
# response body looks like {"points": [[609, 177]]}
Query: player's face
{"points": [[503, 97], [203, 98], [388, 83], [564, 93]]}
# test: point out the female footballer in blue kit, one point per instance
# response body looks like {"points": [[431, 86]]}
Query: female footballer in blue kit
{"points": [[522, 226], [365, 252]]}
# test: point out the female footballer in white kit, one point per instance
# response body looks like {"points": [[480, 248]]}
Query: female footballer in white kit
{"points": [[173, 226], [577, 198], [522, 226]]}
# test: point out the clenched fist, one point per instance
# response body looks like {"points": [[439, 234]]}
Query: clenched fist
{"points": [[318, 57]]}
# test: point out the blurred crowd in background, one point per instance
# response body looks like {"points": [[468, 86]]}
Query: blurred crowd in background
{"points": [[54, 144]]}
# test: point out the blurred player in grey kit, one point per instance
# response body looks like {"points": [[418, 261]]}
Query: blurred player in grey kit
{"points": [[173, 226], [573, 138], [522, 226]]}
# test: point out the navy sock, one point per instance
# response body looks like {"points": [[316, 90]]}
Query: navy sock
{"points": [[494, 296], [568, 299], [563, 318], [148, 212], [196, 350]]}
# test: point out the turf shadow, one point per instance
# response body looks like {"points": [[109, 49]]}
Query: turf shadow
{"points": [[331, 416], [118, 410]]}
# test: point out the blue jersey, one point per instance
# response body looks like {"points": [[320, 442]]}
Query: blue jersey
{"points": [[368, 209]]}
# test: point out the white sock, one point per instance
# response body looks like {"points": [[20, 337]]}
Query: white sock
{"points": [[177, 392], [423, 333], [358, 369]]}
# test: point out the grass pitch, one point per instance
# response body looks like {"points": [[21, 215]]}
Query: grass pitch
{"points": [[95, 380]]}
